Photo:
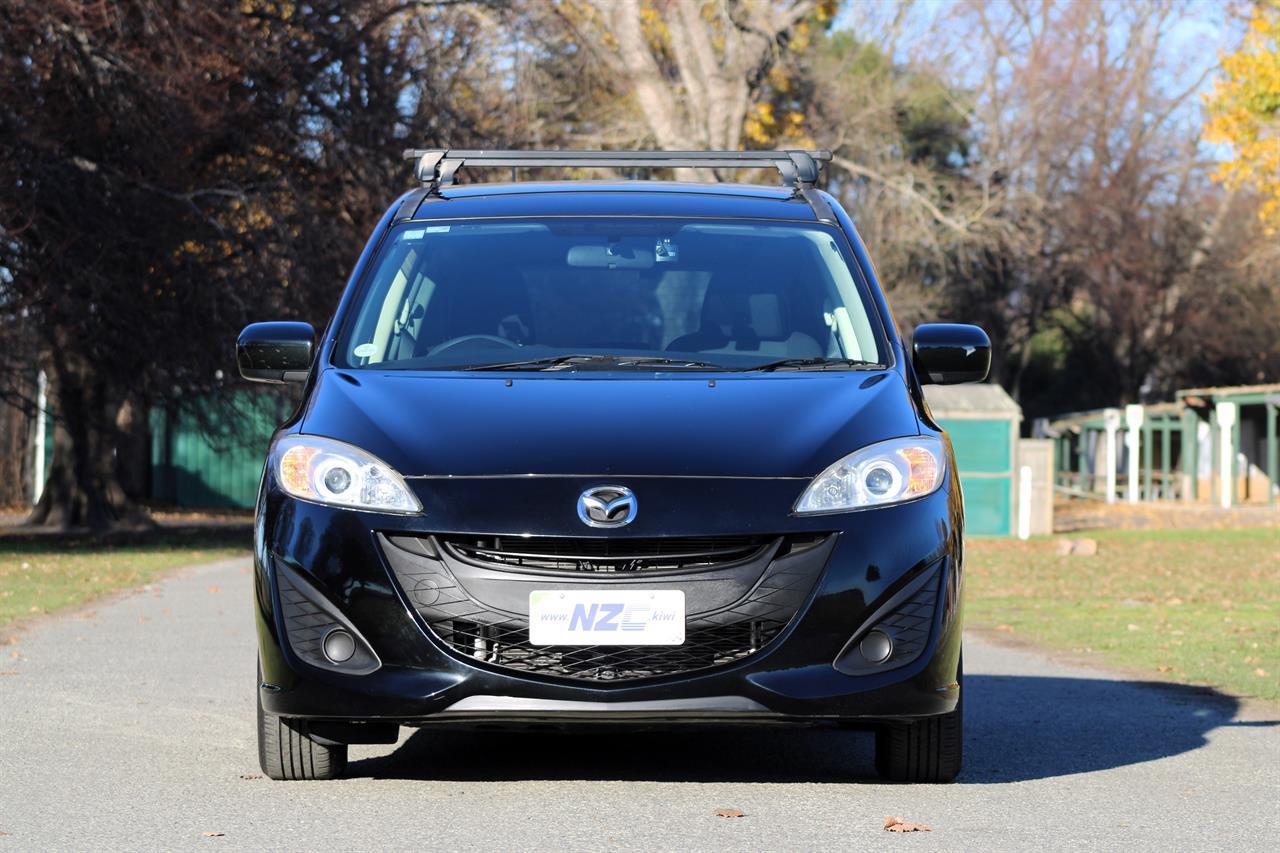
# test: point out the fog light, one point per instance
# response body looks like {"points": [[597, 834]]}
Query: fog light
{"points": [[876, 646], [339, 646]]}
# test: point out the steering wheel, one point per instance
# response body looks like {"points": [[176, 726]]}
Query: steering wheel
{"points": [[462, 339]]}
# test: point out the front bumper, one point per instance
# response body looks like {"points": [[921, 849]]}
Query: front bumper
{"points": [[417, 679]]}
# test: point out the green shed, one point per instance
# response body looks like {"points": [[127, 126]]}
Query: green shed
{"points": [[983, 422], [218, 468]]}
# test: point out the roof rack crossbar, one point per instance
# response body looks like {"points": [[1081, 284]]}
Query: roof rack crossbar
{"points": [[437, 167]]}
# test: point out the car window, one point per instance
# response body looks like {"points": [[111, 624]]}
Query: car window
{"points": [[730, 294]]}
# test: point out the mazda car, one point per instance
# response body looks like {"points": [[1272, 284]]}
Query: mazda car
{"points": [[628, 453]]}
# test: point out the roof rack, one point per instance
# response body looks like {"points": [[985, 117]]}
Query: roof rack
{"points": [[436, 167]]}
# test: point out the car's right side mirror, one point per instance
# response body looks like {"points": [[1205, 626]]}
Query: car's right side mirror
{"points": [[950, 353], [276, 352]]}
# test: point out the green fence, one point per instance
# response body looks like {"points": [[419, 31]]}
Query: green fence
{"points": [[217, 468]]}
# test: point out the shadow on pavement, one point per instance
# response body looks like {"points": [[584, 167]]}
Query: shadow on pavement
{"points": [[1017, 728]]}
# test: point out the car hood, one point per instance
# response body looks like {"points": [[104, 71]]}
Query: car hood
{"points": [[757, 425]]}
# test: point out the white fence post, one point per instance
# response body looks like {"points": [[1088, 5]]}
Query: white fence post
{"points": [[42, 399], [1024, 502], [1132, 438], [1111, 420], [1227, 457]]}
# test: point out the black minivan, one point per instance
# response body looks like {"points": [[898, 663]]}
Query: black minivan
{"points": [[630, 452]]}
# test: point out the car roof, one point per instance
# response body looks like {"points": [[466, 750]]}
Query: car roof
{"points": [[614, 198]]}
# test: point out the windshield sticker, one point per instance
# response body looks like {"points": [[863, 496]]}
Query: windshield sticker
{"points": [[364, 350]]}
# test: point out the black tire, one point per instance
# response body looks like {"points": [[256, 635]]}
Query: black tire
{"points": [[929, 750], [286, 751]]}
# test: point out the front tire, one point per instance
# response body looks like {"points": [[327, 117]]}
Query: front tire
{"points": [[287, 751], [929, 750]]}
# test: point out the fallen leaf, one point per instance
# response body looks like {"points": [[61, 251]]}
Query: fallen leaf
{"points": [[9, 641], [1164, 668], [1008, 628], [9, 672], [213, 834], [215, 589], [730, 813], [897, 824], [250, 775], [1260, 672]]}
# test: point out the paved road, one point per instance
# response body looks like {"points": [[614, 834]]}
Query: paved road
{"points": [[130, 727]]}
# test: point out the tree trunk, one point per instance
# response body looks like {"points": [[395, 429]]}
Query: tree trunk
{"points": [[83, 489], [16, 426], [133, 449]]}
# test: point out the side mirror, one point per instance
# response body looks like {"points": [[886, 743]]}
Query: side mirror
{"points": [[950, 353], [275, 352]]}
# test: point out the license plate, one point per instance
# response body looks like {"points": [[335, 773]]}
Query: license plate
{"points": [[600, 617]]}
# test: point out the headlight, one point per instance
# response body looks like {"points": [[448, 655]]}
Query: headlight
{"points": [[890, 472], [330, 472]]}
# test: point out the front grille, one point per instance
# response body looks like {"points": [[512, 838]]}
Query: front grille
{"points": [[600, 554], [507, 645], [472, 594]]}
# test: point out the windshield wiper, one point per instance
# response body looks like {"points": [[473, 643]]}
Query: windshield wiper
{"points": [[616, 360], [816, 363]]}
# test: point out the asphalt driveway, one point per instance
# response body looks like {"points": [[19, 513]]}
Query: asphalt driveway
{"points": [[130, 726]]}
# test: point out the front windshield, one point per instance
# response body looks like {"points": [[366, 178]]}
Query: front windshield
{"points": [[610, 293]]}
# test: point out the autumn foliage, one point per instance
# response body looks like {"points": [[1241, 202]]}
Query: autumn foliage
{"points": [[1244, 109], [169, 172]]}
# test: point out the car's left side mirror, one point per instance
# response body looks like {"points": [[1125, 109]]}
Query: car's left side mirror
{"points": [[950, 353], [276, 352]]}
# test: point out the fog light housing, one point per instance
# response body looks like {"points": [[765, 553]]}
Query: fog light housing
{"points": [[897, 633], [339, 646], [876, 646]]}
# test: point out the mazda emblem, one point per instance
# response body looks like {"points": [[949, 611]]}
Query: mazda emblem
{"points": [[607, 506]]}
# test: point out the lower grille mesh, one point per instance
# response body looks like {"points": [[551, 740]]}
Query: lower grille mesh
{"points": [[305, 622], [508, 645], [476, 603]]}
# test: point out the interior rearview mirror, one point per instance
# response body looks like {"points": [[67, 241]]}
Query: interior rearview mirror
{"points": [[615, 256], [276, 352], [950, 353]]}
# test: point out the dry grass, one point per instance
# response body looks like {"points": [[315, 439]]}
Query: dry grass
{"points": [[1197, 606], [41, 574]]}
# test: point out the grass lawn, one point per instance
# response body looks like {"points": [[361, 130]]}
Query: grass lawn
{"points": [[1197, 606], [43, 574]]}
